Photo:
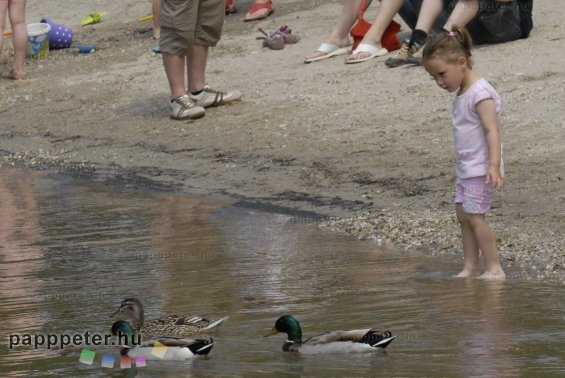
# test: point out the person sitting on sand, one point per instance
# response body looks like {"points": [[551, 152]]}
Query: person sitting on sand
{"points": [[259, 10], [16, 11], [478, 148], [338, 42], [420, 16], [488, 21]]}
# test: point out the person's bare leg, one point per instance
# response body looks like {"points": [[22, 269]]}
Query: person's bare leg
{"points": [[486, 242], [386, 13], [196, 68], [470, 246], [174, 69], [462, 14], [3, 14], [339, 35], [156, 10], [429, 13], [16, 12]]}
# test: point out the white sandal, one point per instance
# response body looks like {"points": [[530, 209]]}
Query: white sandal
{"points": [[329, 50], [373, 51]]}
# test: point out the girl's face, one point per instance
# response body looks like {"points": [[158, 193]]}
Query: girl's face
{"points": [[448, 76]]}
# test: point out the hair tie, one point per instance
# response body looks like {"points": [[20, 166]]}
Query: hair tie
{"points": [[451, 34]]}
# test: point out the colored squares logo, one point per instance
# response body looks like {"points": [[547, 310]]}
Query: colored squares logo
{"points": [[108, 361], [125, 362], [140, 361], [159, 350], [87, 356]]}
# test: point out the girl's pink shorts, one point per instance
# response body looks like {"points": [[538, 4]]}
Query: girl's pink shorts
{"points": [[474, 194]]}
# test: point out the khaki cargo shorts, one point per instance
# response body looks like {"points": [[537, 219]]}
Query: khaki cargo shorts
{"points": [[190, 22]]}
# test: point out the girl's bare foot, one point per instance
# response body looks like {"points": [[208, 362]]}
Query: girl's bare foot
{"points": [[13, 75], [467, 273], [496, 275]]}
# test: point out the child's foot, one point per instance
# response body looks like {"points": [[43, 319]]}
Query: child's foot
{"points": [[13, 75], [495, 275], [466, 273]]}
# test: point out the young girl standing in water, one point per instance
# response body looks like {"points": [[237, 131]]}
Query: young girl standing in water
{"points": [[476, 120]]}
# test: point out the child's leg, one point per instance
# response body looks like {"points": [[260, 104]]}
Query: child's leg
{"points": [[196, 68], [156, 10], [486, 242], [470, 246], [16, 11], [3, 12]]}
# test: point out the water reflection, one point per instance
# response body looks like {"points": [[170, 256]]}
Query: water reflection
{"points": [[72, 250], [21, 260]]}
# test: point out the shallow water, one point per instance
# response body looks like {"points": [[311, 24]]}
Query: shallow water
{"points": [[71, 250]]}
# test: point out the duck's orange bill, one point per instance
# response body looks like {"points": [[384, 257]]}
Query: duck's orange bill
{"points": [[7, 33]]}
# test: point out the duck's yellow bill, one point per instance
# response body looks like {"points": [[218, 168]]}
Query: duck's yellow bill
{"points": [[271, 333]]}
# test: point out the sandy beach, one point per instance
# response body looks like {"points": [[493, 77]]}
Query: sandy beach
{"points": [[367, 148]]}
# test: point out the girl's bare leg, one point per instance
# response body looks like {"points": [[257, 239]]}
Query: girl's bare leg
{"points": [[486, 242], [16, 12], [156, 9], [470, 246], [3, 12]]}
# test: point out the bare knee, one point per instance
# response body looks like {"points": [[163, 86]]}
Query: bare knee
{"points": [[462, 217], [476, 220]]}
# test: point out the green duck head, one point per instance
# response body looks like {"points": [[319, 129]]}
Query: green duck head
{"points": [[132, 310], [125, 333], [289, 325]]}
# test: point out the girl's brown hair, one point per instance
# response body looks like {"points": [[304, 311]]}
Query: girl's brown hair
{"points": [[449, 45]]}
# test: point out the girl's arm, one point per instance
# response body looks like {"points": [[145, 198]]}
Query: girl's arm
{"points": [[486, 110]]}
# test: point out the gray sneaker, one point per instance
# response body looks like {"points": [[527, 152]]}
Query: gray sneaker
{"points": [[212, 97], [184, 108], [406, 55]]}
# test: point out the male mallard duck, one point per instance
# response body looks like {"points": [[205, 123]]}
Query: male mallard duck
{"points": [[161, 348], [361, 340], [132, 310]]}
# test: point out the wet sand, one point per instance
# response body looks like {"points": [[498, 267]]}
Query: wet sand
{"points": [[358, 141]]}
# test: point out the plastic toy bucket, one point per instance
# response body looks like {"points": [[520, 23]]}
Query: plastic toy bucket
{"points": [[60, 36], [38, 40]]}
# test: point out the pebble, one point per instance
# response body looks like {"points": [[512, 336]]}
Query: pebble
{"points": [[437, 232]]}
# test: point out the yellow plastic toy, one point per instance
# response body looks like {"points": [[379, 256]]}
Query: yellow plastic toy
{"points": [[145, 18], [92, 18]]}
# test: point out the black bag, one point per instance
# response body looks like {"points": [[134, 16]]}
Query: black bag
{"points": [[526, 16]]}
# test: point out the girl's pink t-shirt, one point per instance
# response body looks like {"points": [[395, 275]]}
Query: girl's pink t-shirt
{"points": [[471, 149]]}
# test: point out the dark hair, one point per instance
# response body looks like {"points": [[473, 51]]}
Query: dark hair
{"points": [[449, 45]]}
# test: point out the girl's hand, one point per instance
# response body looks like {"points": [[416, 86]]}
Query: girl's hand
{"points": [[494, 176]]}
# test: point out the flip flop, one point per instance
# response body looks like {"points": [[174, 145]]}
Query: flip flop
{"points": [[329, 50], [266, 8], [372, 50]]}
